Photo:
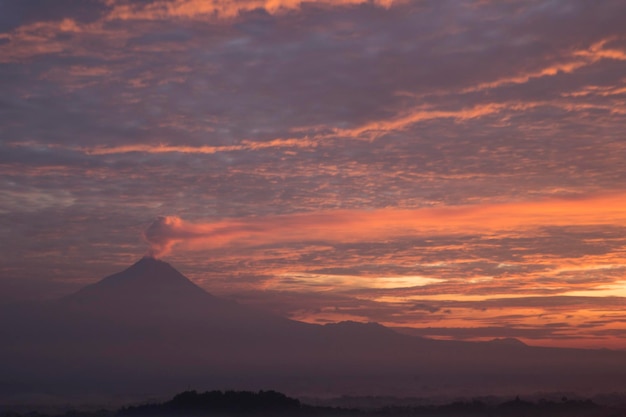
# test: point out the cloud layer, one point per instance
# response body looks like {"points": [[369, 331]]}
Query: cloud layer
{"points": [[426, 164]]}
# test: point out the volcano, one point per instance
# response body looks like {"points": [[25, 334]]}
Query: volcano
{"points": [[149, 330], [152, 308], [152, 289], [149, 277]]}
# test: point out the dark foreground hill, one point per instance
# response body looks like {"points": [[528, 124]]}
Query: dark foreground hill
{"points": [[148, 330], [272, 403]]}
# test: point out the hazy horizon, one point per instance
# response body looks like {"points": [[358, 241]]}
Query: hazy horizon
{"points": [[454, 167]]}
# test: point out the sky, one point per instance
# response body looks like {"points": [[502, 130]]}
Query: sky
{"points": [[455, 167]]}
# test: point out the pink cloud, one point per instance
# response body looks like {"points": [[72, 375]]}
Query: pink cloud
{"points": [[376, 225]]}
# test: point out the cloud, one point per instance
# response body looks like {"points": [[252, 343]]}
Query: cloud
{"points": [[33, 200], [15, 13], [425, 307], [340, 226], [246, 145], [366, 147], [165, 231], [224, 9]]}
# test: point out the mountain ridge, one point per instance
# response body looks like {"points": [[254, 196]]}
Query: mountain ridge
{"points": [[149, 326]]}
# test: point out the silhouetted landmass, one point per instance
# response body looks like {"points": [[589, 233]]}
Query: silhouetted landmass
{"points": [[272, 403], [218, 402], [514, 408]]}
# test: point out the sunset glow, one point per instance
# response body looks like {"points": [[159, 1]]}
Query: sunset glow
{"points": [[456, 169]]}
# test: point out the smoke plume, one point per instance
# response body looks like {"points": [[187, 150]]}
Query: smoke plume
{"points": [[163, 233]]}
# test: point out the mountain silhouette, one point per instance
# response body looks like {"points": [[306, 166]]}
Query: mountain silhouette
{"points": [[150, 287], [148, 284], [148, 329], [508, 341], [182, 323], [149, 276]]}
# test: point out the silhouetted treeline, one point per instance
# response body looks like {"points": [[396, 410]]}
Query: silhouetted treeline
{"points": [[514, 408], [218, 402], [272, 403]]}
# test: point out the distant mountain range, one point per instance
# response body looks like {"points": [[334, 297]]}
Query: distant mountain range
{"points": [[149, 330]]}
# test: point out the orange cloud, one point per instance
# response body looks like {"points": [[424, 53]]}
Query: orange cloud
{"points": [[422, 114], [578, 59], [166, 148], [376, 225], [189, 9]]}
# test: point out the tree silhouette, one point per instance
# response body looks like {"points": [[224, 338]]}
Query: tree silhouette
{"points": [[233, 402]]}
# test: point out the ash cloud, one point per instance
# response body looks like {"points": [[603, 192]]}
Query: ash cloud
{"points": [[163, 233]]}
